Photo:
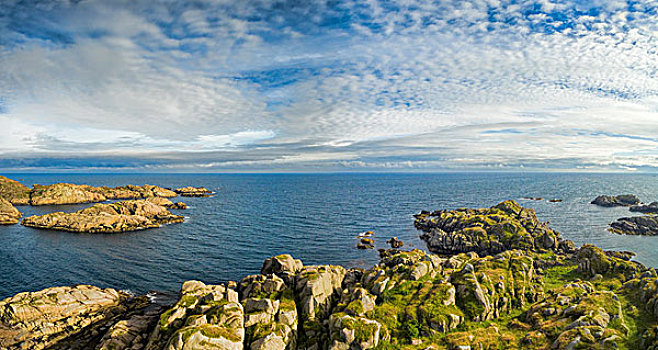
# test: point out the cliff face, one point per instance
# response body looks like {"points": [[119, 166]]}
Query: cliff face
{"points": [[538, 297]]}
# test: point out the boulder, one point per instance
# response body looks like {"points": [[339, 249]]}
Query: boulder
{"points": [[624, 200], [284, 266], [107, 218], [395, 243], [14, 192], [8, 214]]}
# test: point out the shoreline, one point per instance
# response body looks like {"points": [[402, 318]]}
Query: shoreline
{"points": [[332, 307]]}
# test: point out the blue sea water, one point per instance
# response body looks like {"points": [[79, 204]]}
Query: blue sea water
{"points": [[313, 217]]}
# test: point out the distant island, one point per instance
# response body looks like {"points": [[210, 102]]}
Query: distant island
{"points": [[146, 208], [500, 279]]}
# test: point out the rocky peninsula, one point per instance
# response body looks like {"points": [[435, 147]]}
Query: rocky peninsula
{"points": [[502, 280], [623, 200]]}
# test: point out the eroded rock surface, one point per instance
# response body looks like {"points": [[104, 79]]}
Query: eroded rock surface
{"points": [[39, 320], [107, 218], [14, 192], [8, 214]]}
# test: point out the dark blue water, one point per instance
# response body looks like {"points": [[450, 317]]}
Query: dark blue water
{"points": [[314, 217]]}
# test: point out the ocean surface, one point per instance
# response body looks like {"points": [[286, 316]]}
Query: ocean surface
{"points": [[315, 218]]}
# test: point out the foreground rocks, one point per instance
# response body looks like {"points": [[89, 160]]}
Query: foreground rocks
{"points": [[107, 218], [624, 200], [540, 296], [8, 214]]}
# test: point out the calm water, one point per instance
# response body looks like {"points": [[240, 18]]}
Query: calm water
{"points": [[314, 217]]}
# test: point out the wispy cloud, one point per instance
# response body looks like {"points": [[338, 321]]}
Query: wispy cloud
{"points": [[325, 85]]}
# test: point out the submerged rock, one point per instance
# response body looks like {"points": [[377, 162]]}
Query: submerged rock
{"points": [[624, 200], [107, 218], [14, 192], [8, 214], [193, 191], [636, 225], [486, 231]]}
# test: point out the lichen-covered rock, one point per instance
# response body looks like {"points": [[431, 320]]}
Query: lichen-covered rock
{"points": [[636, 225], [14, 192], [8, 214], [190, 191], [624, 200], [578, 316], [63, 193], [270, 312], [284, 266], [205, 317], [107, 218], [593, 260], [489, 231], [317, 288], [38, 320], [491, 286]]}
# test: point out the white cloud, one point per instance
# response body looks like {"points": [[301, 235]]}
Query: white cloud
{"points": [[357, 84]]}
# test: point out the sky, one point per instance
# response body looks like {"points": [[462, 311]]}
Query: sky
{"points": [[327, 85]]}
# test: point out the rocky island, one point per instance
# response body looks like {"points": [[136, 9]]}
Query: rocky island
{"points": [[502, 279], [107, 218], [146, 206], [623, 200]]}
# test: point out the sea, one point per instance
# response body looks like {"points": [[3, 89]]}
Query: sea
{"points": [[315, 217]]}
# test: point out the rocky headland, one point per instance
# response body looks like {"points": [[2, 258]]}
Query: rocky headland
{"points": [[527, 288], [9, 215]]}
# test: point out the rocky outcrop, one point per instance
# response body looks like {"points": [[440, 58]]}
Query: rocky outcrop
{"points": [[107, 218], [578, 316], [205, 317], [39, 320], [14, 192], [624, 200], [8, 214], [636, 225], [63, 193], [193, 191], [489, 231], [593, 261]]}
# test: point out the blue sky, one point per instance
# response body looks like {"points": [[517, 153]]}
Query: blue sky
{"points": [[264, 85]]}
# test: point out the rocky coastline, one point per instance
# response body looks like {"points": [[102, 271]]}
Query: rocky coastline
{"points": [[144, 207], [502, 279]]}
